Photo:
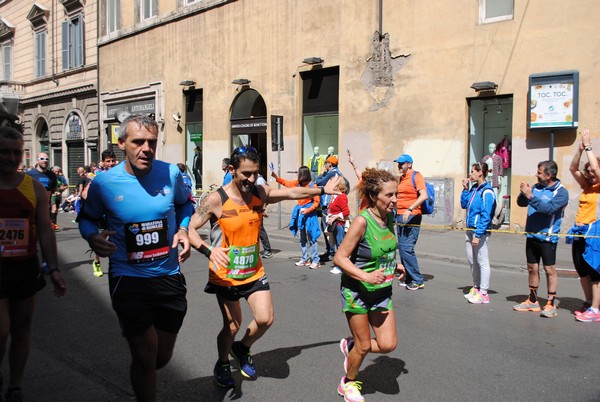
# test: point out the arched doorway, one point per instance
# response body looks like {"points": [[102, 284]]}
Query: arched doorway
{"points": [[249, 124], [43, 137], [74, 136]]}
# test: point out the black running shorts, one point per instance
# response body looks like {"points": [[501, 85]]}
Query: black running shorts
{"points": [[235, 293], [20, 279], [583, 268], [143, 302], [536, 249]]}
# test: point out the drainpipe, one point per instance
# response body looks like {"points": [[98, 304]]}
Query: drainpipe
{"points": [[54, 80], [380, 19]]}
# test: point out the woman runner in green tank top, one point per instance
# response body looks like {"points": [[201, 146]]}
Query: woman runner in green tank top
{"points": [[367, 257]]}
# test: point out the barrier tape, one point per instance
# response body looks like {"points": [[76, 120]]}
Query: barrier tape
{"points": [[519, 232]]}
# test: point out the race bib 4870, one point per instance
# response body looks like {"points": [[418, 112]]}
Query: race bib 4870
{"points": [[243, 262]]}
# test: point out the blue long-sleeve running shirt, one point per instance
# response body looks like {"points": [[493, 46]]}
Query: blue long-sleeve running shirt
{"points": [[145, 212]]}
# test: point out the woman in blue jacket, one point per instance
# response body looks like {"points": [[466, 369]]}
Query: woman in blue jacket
{"points": [[480, 202]]}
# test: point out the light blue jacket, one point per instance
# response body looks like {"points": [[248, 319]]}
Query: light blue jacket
{"points": [[480, 203]]}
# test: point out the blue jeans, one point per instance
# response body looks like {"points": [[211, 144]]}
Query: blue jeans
{"points": [[329, 248], [309, 247], [339, 233], [407, 239]]}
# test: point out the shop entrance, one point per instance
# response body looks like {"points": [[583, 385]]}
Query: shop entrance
{"points": [[490, 139], [249, 125], [320, 112]]}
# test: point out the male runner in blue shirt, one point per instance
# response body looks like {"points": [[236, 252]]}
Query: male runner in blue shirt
{"points": [[148, 210]]}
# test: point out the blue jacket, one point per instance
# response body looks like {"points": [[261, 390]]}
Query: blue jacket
{"points": [[545, 211], [479, 202], [309, 222], [325, 177], [591, 255]]}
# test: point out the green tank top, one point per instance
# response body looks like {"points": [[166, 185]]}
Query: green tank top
{"points": [[376, 250]]}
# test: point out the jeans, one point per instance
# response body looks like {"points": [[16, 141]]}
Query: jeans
{"points": [[264, 238], [339, 234], [407, 239], [329, 248], [479, 260], [309, 247]]}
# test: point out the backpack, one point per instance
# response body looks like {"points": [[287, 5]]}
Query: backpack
{"points": [[498, 212], [427, 208]]}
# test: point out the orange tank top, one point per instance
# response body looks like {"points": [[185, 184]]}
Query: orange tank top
{"points": [[18, 238], [588, 210], [240, 228]]}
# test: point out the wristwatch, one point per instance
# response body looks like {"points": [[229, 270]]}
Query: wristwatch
{"points": [[409, 209], [588, 148]]}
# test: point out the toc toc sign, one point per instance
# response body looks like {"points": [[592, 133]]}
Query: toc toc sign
{"points": [[553, 100]]}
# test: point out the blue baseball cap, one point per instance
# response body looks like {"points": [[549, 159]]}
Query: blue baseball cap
{"points": [[404, 158]]}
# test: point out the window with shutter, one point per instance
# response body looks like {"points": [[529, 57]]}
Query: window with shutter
{"points": [[73, 43], [7, 62], [40, 54]]}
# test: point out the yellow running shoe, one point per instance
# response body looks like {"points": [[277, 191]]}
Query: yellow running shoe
{"points": [[350, 390], [97, 269]]}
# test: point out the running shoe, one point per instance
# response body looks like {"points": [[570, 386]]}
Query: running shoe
{"points": [[14, 394], [588, 316], [549, 311], [346, 345], [583, 308], [478, 298], [302, 263], [350, 390], [55, 227], [97, 269], [325, 257], [471, 293], [527, 305], [335, 270], [415, 286], [315, 265], [401, 283], [223, 376], [244, 360], [266, 254]]}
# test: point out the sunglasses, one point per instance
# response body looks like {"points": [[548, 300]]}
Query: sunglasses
{"points": [[244, 150], [43, 159]]}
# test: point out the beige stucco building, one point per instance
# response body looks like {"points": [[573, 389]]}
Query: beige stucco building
{"points": [[378, 78], [49, 64]]}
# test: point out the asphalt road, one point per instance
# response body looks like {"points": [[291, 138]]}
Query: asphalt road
{"points": [[448, 350]]}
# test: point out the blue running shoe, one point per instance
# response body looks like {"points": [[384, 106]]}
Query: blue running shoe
{"points": [[244, 359], [223, 376]]}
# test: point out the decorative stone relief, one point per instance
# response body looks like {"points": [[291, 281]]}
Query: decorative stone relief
{"points": [[378, 77]]}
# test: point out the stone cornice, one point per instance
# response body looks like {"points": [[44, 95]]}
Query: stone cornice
{"points": [[7, 30], [58, 94], [38, 16]]}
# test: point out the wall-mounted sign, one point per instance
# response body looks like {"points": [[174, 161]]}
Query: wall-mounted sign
{"points": [[146, 106], [114, 133], [247, 126], [554, 100], [73, 128]]}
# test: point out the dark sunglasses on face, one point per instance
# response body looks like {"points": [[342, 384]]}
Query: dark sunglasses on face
{"points": [[42, 159]]}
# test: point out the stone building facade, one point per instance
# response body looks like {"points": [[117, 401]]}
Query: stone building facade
{"points": [[49, 64], [439, 80]]}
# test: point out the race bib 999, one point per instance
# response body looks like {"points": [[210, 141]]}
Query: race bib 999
{"points": [[146, 241]]}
